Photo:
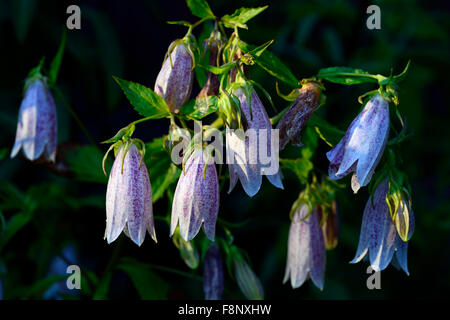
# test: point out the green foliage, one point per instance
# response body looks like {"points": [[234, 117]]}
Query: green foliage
{"points": [[161, 169], [56, 62], [200, 8], [327, 132], [241, 16], [346, 75], [86, 163], [200, 108], [149, 285], [144, 100], [270, 63]]}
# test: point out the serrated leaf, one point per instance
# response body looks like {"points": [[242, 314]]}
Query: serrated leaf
{"points": [[270, 63], [200, 107], [241, 16], [56, 62], [200, 8], [161, 169], [148, 284], [144, 100], [86, 163], [346, 75]]}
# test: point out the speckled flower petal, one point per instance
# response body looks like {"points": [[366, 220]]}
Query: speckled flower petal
{"points": [[174, 81], [196, 199], [129, 198]]}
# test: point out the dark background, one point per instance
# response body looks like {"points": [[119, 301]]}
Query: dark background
{"points": [[129, 39]]}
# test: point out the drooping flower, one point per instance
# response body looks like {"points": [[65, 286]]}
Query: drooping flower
{"points": [[361, 148], [293, 121], [378, 240], [213, 274], [306, 249], [37, 125], [211, 87], [174, 81], [196, 198], [247, 280], [244, 155], [129, 206]]}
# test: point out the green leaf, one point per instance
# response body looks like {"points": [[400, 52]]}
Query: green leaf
{"points": [[56, 62], [200, 8], [148, 284], [161, 169], [144, 100], [327, 132], [270, 63], [86, 163], [14, 224], [3, 153], [301, 167], [219, 70], [200, 107], [102, 290], [346, 75], [241, 16]]}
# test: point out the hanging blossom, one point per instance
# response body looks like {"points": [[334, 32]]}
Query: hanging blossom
{"points": [[129, 206], [37, 125], [379, 240], [361, 148], [196, 198], [174, 81], [306, 249], [244, 158]]}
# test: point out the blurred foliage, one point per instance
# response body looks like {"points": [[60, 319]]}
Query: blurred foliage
{"points": [[43, 211]]}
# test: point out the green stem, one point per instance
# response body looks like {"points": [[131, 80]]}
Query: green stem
{"points": [[274, 120]]}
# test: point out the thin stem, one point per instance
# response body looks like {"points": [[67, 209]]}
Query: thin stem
{"points": [[74, 115]]}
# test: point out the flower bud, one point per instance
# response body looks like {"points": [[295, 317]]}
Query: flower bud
{"points": [[37, 126], [211, 87], [293, 121], [330, 226], [213, 274], [196, 198], [247, 280], [188, 252], [404, 219], [129, 206], [174, 81], [361, 148]]}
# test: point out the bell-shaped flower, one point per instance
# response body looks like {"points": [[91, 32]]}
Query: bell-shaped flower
{"points": [[361, 148], [174, 81], [293, 121], [213, 274], [37, 125], [306, 249], [129, 206], [379, 240], [196, 198], [254, 153]]}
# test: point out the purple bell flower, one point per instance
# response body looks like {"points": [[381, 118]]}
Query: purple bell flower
{"points": [[361, 148], [37, 126], [306, 249], [247, 165], [174, 81], [213, 274], [379, 240], [129, 206], [196, 199]]}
